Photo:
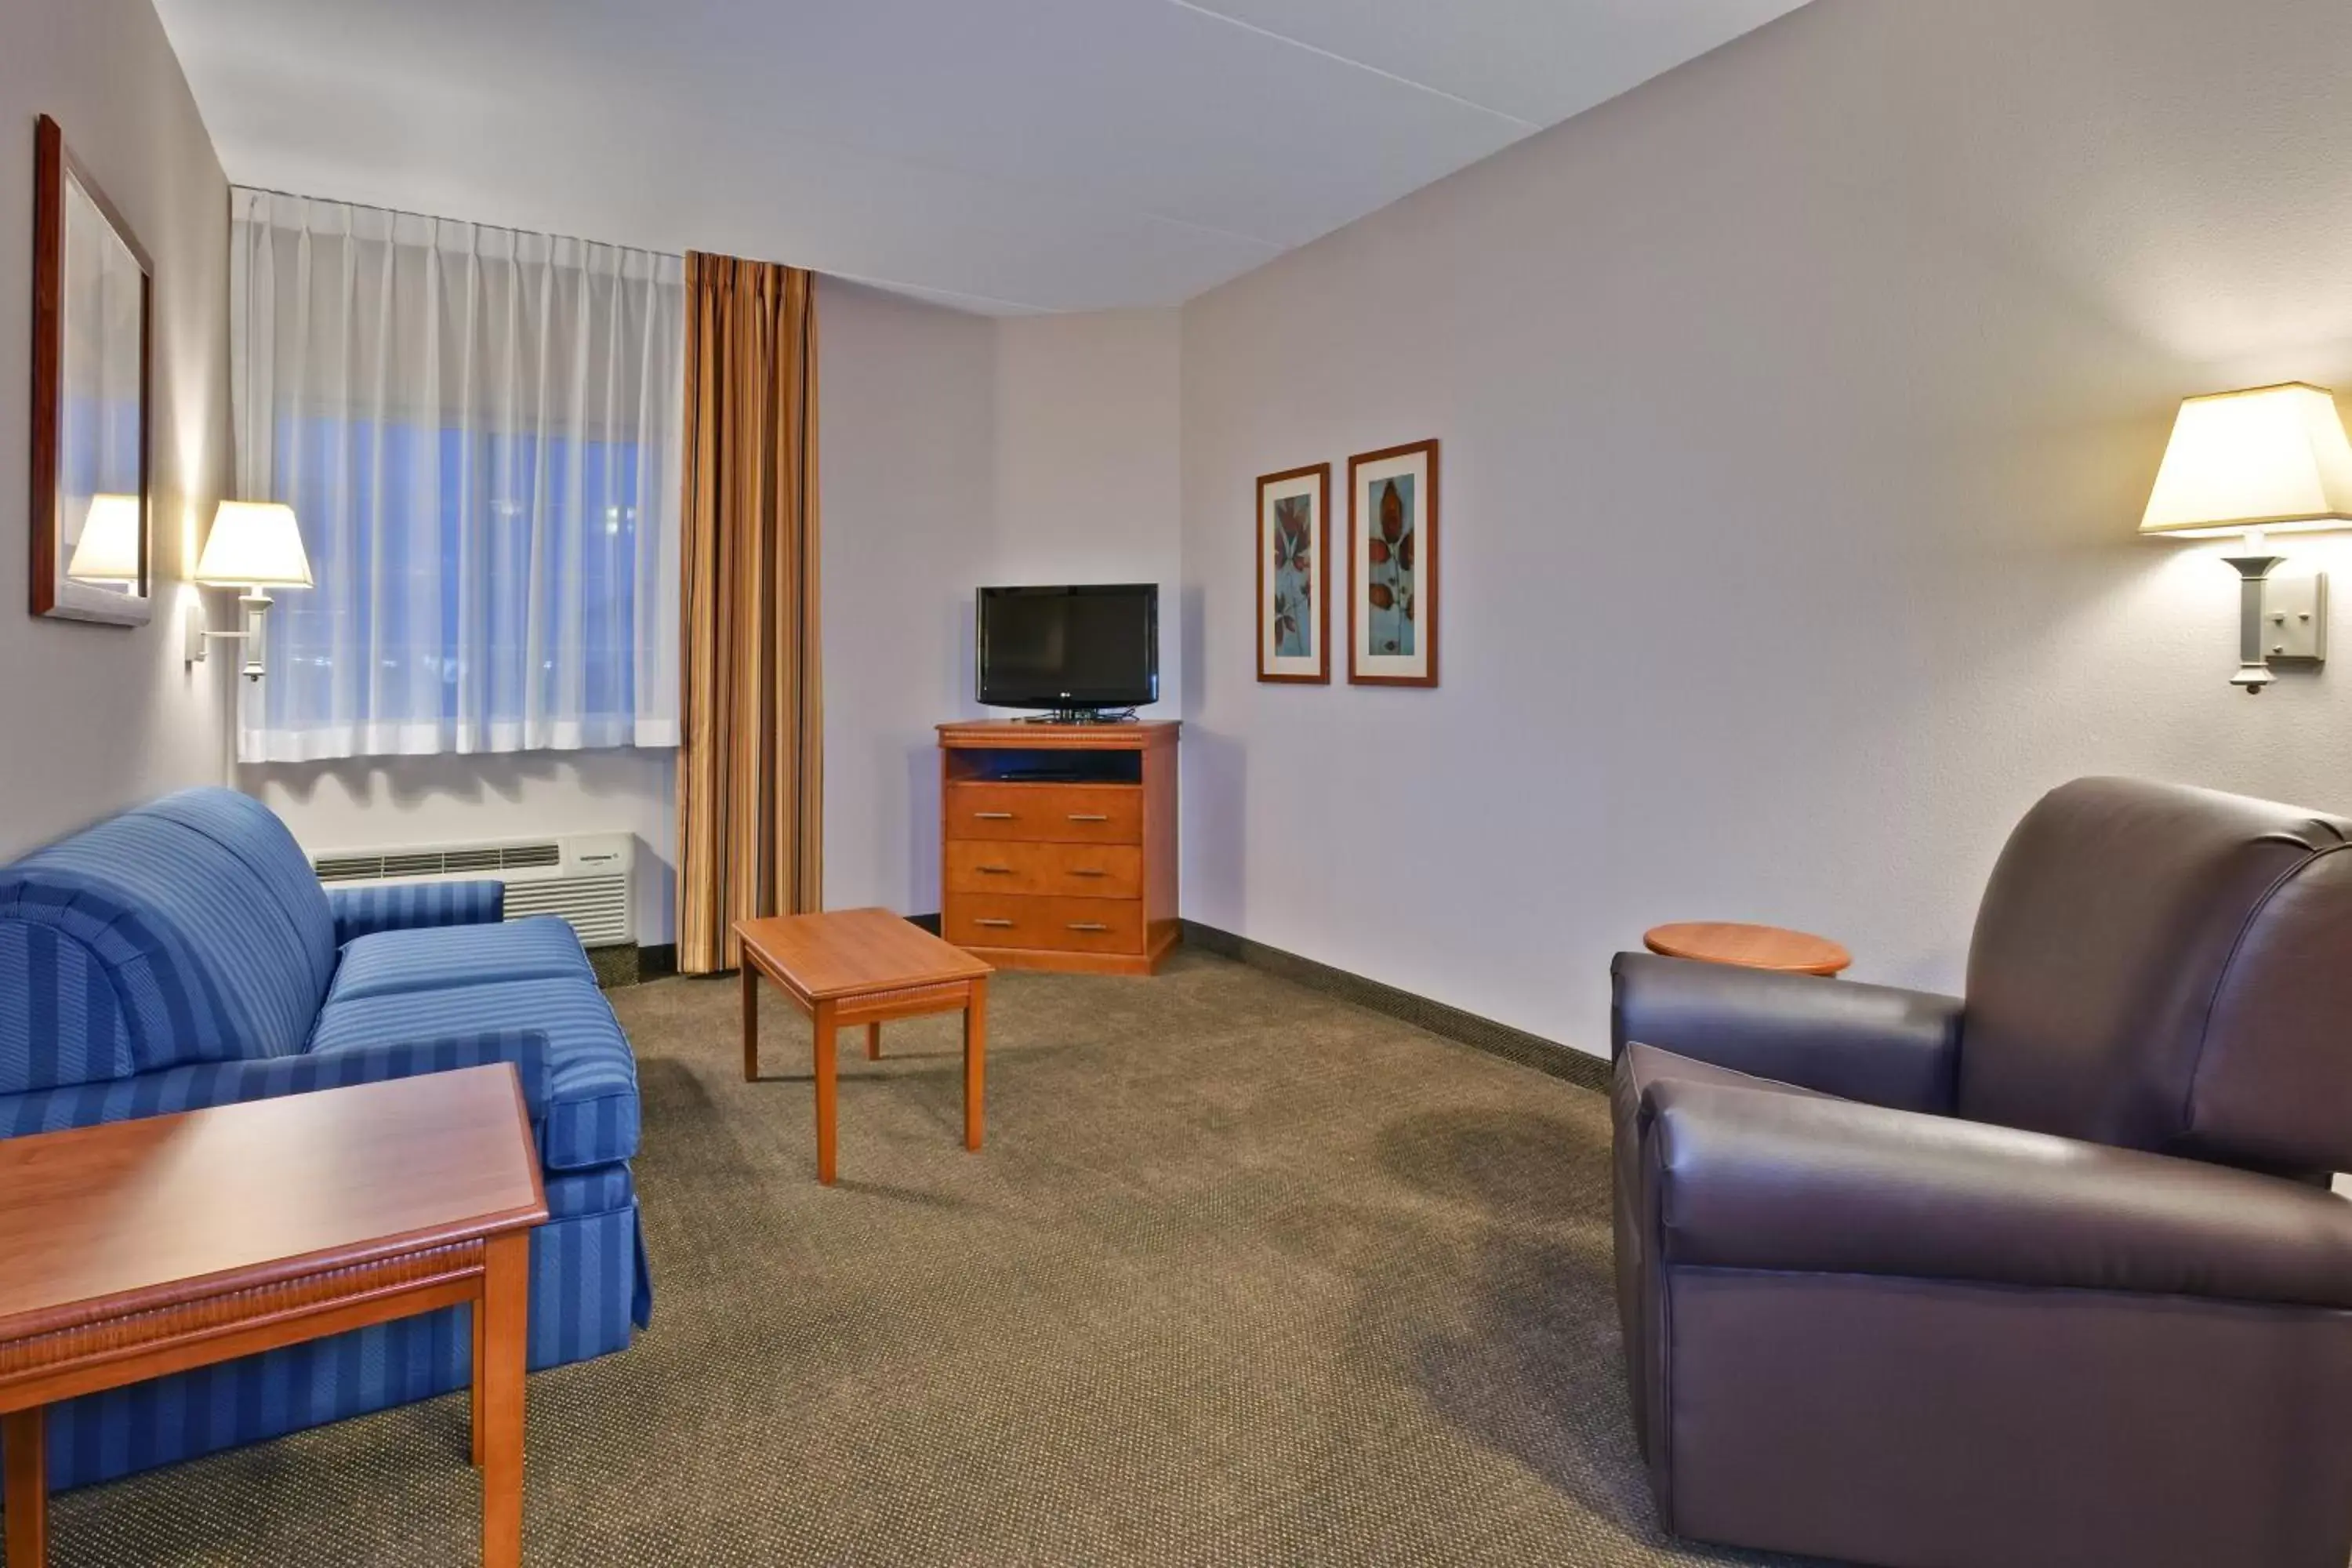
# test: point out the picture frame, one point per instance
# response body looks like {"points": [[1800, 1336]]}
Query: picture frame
{"points": [[1294, 576], [1392, 565], [92, 509]]}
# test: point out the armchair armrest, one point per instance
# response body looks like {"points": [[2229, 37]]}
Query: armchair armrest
{"points": [[406, 906], [1872, 1043], [1747, 1178], [205, 1084]]}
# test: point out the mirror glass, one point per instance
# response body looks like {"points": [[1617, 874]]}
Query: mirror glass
{"points": [[94, 402]]}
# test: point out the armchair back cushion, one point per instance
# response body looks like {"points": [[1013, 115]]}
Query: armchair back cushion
{"points": [[2159, 967], [188, 930]]}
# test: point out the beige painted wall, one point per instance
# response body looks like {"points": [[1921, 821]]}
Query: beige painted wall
{"points": [[907, 427], [96, 718], [960, 451], [1798, 408], [389, 803], [1086, 461]]}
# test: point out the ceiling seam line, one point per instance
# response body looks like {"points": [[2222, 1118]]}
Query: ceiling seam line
{"points": [[902, 286], [1337, 58]]}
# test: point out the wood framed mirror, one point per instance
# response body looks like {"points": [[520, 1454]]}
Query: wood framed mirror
{"points": [[93, 309]]}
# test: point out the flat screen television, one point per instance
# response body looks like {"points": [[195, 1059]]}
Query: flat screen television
{"points": [[1070, 649]]}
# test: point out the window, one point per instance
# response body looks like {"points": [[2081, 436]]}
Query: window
{"points": [[479, 432]]}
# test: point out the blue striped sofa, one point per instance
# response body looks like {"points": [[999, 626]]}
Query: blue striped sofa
{"points": [[184, 954]]}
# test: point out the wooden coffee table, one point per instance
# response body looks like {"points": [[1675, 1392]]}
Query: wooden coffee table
{"points": [[1749, 946], [862, 966], [143, 1248]]}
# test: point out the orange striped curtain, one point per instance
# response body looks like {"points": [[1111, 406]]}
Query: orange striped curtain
{"points": [[750, 767]]}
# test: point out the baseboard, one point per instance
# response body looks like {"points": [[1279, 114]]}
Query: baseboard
{"points": [[634, 966], [1449, 1023]]}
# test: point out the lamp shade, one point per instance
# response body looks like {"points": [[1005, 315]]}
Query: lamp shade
{"points": [[255, 543], [2275, 457], [108, 550]]}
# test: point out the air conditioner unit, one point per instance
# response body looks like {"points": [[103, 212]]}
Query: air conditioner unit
{"points": [[584, 876]]}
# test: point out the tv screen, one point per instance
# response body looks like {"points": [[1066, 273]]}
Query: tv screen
{"points": [[1091, 646]]}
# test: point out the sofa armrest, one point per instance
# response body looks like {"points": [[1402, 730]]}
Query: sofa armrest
{"points": [[1750, 1179], [408, 906], [1873, 1043], [205, 1084]]}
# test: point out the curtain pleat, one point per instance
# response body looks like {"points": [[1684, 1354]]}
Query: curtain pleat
{"points": [[479, 430], [750, 786]]}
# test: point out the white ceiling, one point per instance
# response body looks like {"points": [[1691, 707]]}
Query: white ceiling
{"points": [[1003, 156]]}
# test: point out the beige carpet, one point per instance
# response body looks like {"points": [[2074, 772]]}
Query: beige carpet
{"points": [[1245, 1275]]}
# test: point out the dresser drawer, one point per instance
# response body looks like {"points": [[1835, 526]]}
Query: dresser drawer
{"points": [[1075, 870], [1042, 813], [1046, 925]]}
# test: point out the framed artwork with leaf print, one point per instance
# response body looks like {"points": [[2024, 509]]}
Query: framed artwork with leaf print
{"points": [[1294, 576], [1392, 566]]}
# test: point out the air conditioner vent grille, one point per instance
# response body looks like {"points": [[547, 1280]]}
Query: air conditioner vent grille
{"points": [[473, 859], [584, 880], [597, 907]]}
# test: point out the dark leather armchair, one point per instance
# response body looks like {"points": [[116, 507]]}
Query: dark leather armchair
{"points": [[2049, 1275]]}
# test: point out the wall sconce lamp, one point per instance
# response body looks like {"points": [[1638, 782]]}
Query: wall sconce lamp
{"points": [[2273, 460], [257, 546]]}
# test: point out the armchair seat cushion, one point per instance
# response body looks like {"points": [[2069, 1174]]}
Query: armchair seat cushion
{"points": [[435, 958], [592, 1077]]}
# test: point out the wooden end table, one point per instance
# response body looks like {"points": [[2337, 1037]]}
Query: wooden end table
{"points": [[863, 966], [1749, 947], [139, 1248]]}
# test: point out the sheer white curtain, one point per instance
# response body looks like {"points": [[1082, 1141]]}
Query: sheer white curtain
{"points": [[478, 430]]}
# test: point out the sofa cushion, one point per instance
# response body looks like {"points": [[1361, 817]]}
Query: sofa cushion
{"points": [[209, 956], [592, 1078], [435, 958]]}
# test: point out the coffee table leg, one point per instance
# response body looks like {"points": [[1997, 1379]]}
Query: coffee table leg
{"points": [[874, 1041], [481, 1321], [498, 1388], [750, 1021], [826, 1085], [975, 1060], [26, 1488]]}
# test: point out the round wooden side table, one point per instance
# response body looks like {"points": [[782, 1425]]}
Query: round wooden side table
{"points": [[1748, 946]]}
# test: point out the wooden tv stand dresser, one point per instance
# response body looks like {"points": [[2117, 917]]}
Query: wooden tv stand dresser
{"points": [[1058, 844]]}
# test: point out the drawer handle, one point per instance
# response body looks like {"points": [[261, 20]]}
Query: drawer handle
{"points": [[991, 816], [1089, 926], [1089, 816], [1006, 925], [994, 870], [1087, 871]]}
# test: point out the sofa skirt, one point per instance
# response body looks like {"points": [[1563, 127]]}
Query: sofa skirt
{"points": [[589, 1291]]}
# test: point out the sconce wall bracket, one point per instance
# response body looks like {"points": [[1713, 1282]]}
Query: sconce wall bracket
{"points": [[2280, 621], [252, 606]]}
